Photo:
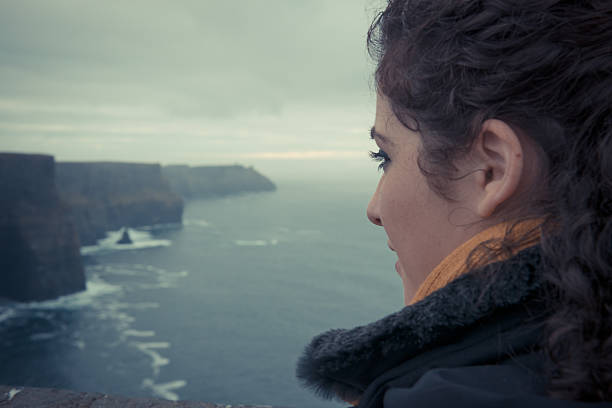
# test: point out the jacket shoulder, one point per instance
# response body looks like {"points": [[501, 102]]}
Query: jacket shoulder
{"points": [[499, 386]]}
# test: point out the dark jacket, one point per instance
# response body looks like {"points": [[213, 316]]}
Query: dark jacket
{"points": [[473, 343]]}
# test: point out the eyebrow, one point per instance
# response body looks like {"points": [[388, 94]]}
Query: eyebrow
{"points": [[375, 135]]}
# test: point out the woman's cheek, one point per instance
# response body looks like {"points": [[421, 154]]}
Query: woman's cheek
{"points": [[400, 272]]}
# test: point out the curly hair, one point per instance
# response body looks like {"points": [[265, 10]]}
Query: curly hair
{"points": [[545, 68]]}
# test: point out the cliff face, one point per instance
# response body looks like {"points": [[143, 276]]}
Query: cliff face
{"points": [[108, 196], [210, 181], [40, 256]]}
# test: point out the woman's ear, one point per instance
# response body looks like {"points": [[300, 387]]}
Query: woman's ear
{"points": [[499, 153]]}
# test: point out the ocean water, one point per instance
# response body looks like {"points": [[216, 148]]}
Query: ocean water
{"points": [[217, 309]]}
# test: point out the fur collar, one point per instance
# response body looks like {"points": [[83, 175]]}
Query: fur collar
{"points": [[342, 363]]}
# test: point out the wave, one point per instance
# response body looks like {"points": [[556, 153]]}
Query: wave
{"points": [[197, 223], [137, 305], [7, 314], [139, 333], [157, 360], [109, 305], [256, 242], [95, 287], [158, 227], [140, 239], [164, 390]]}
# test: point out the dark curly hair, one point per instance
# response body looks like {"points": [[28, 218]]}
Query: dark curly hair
{"points": [[545, 68]]}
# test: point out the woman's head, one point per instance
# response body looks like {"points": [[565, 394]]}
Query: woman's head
{"points": [[447, 66], [424, 226], [447, 69]]}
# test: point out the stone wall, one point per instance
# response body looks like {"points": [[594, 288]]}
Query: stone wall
{"points": [[27, 397]]}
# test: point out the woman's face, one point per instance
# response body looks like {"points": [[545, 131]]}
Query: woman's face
{"points": [[422, 227]]}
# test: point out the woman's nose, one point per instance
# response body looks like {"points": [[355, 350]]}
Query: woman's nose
{"points": [[373, 209]]}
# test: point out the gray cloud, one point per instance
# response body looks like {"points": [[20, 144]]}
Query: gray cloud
{"points": [[204, 57], [97, 68]]}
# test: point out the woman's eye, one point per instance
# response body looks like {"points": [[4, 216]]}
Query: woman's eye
{"points": [[382, 157]]}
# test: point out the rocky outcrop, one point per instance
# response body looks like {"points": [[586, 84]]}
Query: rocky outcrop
{"points": [[125, 238], [27, 397], [40, 246], [211, 181], [106, 196]]}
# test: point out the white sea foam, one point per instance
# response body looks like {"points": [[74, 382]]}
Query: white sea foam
{"points": [[42, 336], [7, 314], [157, 360], [166, 226], [197, 223], [153, 278], [139, 333], [140, 239], [138, 306], [256, 242], [95, 287], [164, 390], [11, 394], [121, 270], [113, 311], [169, 279], [108, 303], [130, 270]]}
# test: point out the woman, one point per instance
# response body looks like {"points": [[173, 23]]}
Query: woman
{"points": [[494, 131]]}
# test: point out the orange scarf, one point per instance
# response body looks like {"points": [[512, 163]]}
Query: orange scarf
{"points": [[526, 233]]}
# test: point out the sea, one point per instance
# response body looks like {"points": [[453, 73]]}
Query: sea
{"points": [[216, 309]]}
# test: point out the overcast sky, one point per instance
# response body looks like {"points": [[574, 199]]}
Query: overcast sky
{"points": [[187, 81]]}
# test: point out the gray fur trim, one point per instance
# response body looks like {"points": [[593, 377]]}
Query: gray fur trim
{"points": [[332, 363]]}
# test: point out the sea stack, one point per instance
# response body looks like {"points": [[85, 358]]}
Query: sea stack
{"points": [[40, 256], [125, 238]]}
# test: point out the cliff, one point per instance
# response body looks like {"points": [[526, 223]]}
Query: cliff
{"points": [[211, 181], [40, 246], [106, 196], [26, 397]]}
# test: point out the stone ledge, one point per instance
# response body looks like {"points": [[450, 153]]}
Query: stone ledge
{"points": [[28, 397]]}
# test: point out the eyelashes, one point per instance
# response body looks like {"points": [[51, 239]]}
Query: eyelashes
{"points": [[382, 157]]}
